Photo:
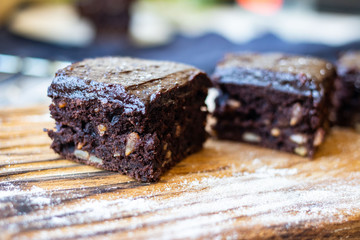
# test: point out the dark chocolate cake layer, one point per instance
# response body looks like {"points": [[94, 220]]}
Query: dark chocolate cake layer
{"points": [[134, 116], [273, 100], [348, 93]]}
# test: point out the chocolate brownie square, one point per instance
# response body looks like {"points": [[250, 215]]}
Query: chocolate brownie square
{"points": [[110, 17], [134, 116], [348, 89], [274, 100]]}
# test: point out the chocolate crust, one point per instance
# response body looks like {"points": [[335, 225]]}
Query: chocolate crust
{"points": [[297, 74]]}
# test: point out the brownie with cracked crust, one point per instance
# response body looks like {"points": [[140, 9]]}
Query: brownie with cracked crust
{"points": [[274, 100], [348, 89], [138, 117]]}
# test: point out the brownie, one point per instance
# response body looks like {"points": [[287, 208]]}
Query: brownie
{"points": [[274, 100], [138, 117], [111, 18], [348, 89]]}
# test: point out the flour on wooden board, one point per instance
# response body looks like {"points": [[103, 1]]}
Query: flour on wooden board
{"points": [[267, 197]]}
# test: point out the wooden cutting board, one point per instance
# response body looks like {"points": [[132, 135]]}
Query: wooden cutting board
{"points": [[228, 190]]}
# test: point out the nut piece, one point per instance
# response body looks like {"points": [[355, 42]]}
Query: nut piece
{"points": [[131, 141], [116, 154], [298, 138], [165, 146], [102, 129], [301, 150], [168, 155], [81, 154], [296, 115], [233, 104], [95, 159], [275, 132], [251, 137], [80, 145], [178, 131], [62, 104], [319, 137]]}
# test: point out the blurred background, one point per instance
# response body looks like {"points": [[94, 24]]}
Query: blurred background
{"points": [[37, 37]]}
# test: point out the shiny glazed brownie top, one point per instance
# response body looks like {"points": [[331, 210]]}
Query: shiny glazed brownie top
{"points": [[299, 74], [349, 62], [126, 80]]}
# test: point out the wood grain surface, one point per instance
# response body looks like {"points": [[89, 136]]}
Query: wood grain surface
{"points": [[228, 190]]}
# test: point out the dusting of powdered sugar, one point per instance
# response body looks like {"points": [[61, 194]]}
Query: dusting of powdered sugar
{"points": [[201, 207], [11, 190]]}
